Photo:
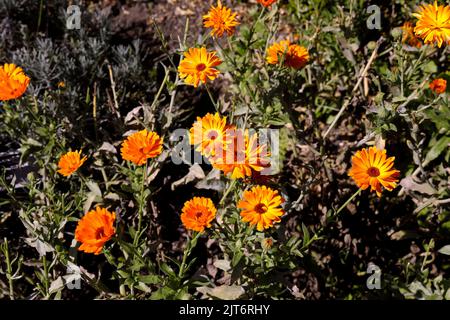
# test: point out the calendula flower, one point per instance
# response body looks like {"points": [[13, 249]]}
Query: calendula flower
{"points": [[221, 20], [141, 146], [198, 213], [13, 82], [94, 230], [209, 134], [61, 84], [70, 162], [267, 243], [243, 156], [292, 55], [267, 3], [433, 24], [198, 66], [438, 85], [408, 35], [261, 206], [370, 167]]}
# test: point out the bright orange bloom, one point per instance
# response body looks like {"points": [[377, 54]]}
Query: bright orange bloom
{"points": [[408, 35], [13, 82], [70, 162], [371, 168], [221, 20], [292, 55], [141, 146], [198, 66], [267, 3], [433, 25], [209, 134], [94, 230], [243, 157], [438, 85], [198, 213], [261, 206]]}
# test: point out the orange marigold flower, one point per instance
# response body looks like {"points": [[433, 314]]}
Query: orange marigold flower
{"points": [[371, 168], [198, 66], [261, 206], [13, 82], [408, 35], [292, 55], [94, 230], [438, 85], [141, 146], [221, 20], [209, 134], [267, 3], [198, 213], [243, 157], [433, 25], [70, 162]]}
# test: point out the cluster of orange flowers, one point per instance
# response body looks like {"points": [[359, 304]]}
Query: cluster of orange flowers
{"points": [[198, 65], [97, 226], [260, 206], [231, 150]]}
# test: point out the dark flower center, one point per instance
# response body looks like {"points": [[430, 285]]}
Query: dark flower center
{"points": [[212, 135], [373, 172], [198, 215], [99, 233], [261, 208], [201, 67]]}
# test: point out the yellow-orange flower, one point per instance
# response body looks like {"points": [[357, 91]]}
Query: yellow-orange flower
{"points": [[70, 162], [198, 213], [221, 20], [198, 66], [438, 85], [243, 156], [370, 167], [13, 82], [267, 3], [408, 35], [209, 134], [433, 24], [292, 55], [261, 206], [94, 230], [141, 146]]}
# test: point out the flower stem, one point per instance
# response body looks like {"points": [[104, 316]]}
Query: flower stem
{"points": [[212, 99], [187, 252], [348, 201], [230, 187], [141, 206], [9, 271]]}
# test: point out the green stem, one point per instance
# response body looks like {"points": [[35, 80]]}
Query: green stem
{"points": [[348, 201], [186, 254], [212, 99], [41, 7], [230, 187], [9, 270], [46, 282], [141, 206]]}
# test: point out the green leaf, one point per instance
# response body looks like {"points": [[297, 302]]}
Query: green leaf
{"points": [[437, 149], [150, 279], [445, 250], [167, 270]]}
